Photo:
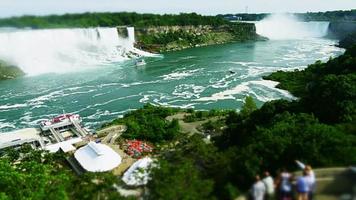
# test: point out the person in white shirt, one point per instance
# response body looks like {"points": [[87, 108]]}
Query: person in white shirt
{"points": [[269, 184], [258, 189]]}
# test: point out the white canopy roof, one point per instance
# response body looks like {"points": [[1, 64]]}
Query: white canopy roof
{"points": [[96, 157], [66, 146], [138, 173]]}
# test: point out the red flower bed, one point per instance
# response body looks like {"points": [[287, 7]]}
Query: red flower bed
{"points": [[137, 148]]}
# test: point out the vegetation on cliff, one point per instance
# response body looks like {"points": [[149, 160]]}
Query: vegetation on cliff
{"points": [[9, 71], [110, 20], [161, 39], [149, 124], [272, 137], [348, 41], [328, 90], [41, 175]]}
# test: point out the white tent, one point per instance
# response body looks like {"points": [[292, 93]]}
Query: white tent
{"points": [[138, 173], [96, 157]]}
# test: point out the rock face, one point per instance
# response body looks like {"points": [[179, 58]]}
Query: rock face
{"points": [[9, 71], [348, 41], [171, 38], [341, 29]]}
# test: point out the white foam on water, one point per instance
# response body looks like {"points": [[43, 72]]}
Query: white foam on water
{"points": [[4, 125], [179, 75], [188, 91], [248, 87], [13, 106], [227, 94]]}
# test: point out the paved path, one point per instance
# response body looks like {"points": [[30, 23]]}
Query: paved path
{"points": [[112, 133], [189, 127]]}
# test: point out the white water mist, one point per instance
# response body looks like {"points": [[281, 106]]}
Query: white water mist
{"points": [[287, 26], [63, 50]]}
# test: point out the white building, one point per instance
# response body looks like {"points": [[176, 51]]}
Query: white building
{"points": [[96, 157], [20, 137]]}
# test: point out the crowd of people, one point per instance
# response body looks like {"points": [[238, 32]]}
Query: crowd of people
{"points": [[286, 186]]}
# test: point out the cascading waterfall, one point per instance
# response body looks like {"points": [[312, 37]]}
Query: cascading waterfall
{"points": [[287, 26], [62, 50]]}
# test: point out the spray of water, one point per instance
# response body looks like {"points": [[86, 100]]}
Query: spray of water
{"points": [[287, 26], [63, 50]]}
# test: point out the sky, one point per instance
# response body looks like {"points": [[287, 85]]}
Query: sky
{"points": [[207, 7]]}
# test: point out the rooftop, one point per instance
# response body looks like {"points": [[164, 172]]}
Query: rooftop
{"points": [[96, 157]]}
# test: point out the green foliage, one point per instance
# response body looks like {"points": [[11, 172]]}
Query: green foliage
{"points": [[40, 175], [149, 124], [172, 38], [110, 20], [178, 181], [248, 107], [326, 89], [8, 71], [200, 115]]}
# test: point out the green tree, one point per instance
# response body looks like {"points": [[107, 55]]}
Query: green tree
{"points": [[248, 107], [178, 181]]}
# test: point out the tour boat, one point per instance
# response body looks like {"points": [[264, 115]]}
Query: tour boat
{"points": [[140, 62]]}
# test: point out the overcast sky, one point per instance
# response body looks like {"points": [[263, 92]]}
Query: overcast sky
{"points": [[206, 7]]}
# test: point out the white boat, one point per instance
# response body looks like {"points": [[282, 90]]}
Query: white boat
{"points": [[140, 62], [60, 121]]}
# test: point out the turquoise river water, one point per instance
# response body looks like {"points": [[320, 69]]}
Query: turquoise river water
{"points": [[202, 78]]}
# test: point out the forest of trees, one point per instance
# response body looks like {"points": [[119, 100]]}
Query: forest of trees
{"points": [[110, 20]]}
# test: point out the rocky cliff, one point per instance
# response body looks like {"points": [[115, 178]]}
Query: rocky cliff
{"points": [[9, 72], [345, 31], [171, 38]]}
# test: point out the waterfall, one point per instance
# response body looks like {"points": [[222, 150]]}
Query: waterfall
{"points": [[62, 50], [287, 26], [131, 33]]}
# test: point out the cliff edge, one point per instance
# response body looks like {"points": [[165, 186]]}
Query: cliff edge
{"points": [[171, 38]]}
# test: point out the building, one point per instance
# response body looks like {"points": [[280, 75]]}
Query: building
{"points": [[19, 137], [61, 132], [96, 157]]}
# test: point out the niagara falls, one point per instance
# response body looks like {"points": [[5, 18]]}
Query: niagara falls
{"points": [[173, 100]]}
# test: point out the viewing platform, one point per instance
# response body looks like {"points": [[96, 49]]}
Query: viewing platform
{"points": [[60, 132]]}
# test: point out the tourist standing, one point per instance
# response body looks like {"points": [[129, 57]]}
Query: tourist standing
{"points": [[285, 185], [269, 184], [310, 178], [303, 187], [258, 189]]}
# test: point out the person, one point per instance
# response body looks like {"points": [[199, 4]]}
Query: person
{"points": [[310, 178], [258, 189], [285, 185], [269, 184], [302, 187]]}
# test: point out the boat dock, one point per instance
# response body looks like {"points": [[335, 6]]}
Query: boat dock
{"points": [[61, 132]]}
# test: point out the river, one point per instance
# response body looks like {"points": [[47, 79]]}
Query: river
{"points": [[218, 77]]}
